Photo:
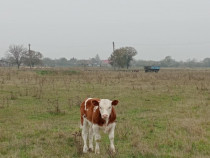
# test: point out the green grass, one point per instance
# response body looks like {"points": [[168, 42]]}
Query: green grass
{"points": [[163, 114], [54, 72]]}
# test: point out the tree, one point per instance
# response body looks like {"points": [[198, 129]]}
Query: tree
{"points": [[98, 60], [62, 62], [16, 54], [93, 62], [206, 62], [168, 62], [122, 57], [72, 61], [48, 62], [33, 58]]}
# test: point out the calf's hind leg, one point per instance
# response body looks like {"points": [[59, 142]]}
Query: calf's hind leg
{"points": [[85, 135], [90, 138]]}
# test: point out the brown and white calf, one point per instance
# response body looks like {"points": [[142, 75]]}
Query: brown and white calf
{"points": [[97, 114]]}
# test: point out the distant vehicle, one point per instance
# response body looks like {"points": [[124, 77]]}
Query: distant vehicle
{"points": [[151, 68]]}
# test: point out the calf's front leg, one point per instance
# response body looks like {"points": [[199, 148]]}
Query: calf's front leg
{"points": [[111, 137], [97, 138]]}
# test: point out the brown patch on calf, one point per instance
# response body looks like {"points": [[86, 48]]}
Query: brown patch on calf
{"points": [[115, 102], [113, 116], [95, 102]]}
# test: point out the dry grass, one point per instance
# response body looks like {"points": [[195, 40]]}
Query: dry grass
{"points": [[163, 114]]}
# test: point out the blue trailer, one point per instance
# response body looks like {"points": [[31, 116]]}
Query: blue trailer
{"points": [[151, 68]]}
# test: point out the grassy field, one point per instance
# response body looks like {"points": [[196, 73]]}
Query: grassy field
{"points": [[165, 114]]}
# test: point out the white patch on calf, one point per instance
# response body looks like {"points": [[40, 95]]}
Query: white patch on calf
{"points": [[86, 102], [107, 129], [95, 108], [105, 107]]}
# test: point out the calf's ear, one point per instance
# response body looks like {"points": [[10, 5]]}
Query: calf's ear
{"points": [[115, 102], [95, 102]]}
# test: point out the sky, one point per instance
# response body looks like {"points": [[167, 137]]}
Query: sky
{"points": [[84, 28]]}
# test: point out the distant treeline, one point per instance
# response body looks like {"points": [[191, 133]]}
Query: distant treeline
{"points": [[96, 62], [73, 62], [170, 62], [18, 55], [93, 62]]}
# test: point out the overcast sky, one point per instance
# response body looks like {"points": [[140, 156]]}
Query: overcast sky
{"points": [[84, 28]]}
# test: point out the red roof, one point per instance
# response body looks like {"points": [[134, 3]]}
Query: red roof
{"points": [[105, 61]]}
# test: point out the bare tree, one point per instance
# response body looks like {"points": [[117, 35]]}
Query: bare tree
{"points": [[16, 54]]}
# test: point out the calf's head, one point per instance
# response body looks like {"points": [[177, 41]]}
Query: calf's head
{"points": [[105, 106]]}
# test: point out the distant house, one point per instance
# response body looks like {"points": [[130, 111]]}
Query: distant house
{"points": [[105, 63], [92, 63], [84, 62]]}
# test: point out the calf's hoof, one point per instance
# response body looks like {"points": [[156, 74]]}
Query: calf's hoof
{"points": [[97, 151], [85, 149], [112, 150], [91, 148]]}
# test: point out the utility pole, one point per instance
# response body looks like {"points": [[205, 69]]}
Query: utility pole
{"points": [[113, 51], [29, 52], [113, 46]]}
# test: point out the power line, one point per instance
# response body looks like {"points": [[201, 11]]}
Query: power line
{"points": [[165, 44]]}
